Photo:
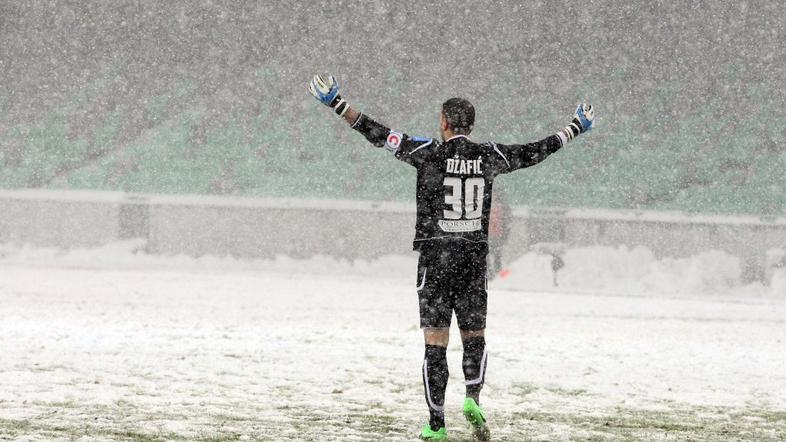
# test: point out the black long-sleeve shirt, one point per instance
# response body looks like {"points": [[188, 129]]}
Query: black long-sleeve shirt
{"points": [[454, 179]]}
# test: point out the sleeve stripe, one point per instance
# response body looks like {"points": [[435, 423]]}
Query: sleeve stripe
{"points": [[426, 144], [494, 145], [360, 116]]}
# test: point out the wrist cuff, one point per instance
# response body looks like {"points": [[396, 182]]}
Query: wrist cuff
{"points": [[562, 138], [570, 132], [341, 107], [574, 129]]}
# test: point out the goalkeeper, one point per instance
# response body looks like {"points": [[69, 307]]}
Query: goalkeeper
{"points": [[455, 176]]}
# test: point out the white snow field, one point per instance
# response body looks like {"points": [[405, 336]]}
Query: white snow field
{"points": [[112, 345]]}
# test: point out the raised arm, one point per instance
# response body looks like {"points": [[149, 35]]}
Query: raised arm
{"points": [[326, 91], [411, 150], [519, 156]]}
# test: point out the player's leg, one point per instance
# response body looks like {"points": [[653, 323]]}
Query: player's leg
{"points": [[471, 310], [474, 364], [474, 361], [435, 378], [435, 317]]}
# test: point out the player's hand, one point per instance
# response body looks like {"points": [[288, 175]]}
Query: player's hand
{"points": [[584, 117], [326, 91], [583, 121]]}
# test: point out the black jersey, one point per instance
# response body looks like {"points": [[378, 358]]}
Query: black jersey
{"points": [[455, 179]]}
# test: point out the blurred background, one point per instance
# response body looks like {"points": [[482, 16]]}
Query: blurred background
{"points": [[209, 98]]}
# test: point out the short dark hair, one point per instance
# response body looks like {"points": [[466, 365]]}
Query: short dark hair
{"points": [[460, 115]]}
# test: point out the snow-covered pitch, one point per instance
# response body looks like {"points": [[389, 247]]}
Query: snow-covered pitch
{"points": [[139, 347]]}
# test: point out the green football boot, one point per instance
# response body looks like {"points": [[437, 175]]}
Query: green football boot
{"points": [[429, 434], [477, 418]]}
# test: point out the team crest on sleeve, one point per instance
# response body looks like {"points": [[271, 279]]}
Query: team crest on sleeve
{"points": [[393, 141]]}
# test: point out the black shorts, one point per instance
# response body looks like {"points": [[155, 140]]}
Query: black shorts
{"points": [[453, 279]]}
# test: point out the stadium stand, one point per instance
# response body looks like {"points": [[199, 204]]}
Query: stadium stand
{"points": [[210, 99]]}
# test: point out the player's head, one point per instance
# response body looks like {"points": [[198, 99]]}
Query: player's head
{"points": [[458, 117]]}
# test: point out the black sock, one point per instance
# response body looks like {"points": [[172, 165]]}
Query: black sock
{"points": [[435, 382], [474, 363]]}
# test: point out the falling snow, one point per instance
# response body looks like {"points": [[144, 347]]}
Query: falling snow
{"points": [[593, 335]]}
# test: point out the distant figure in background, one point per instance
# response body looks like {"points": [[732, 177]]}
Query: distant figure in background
{"points": [[557, 263], [556, 251], [499, 231], [454, 193]]}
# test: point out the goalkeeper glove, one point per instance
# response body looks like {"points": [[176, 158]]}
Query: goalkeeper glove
{"points": [[326, 91], [583, 120]]}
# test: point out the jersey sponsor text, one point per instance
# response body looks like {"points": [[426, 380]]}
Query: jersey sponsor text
{"points": [[459, 225]]}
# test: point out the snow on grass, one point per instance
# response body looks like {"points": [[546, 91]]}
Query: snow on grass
{"points": [[98, 345]]}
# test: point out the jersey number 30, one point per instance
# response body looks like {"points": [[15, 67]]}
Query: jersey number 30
{"points": [[465, 198]]}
